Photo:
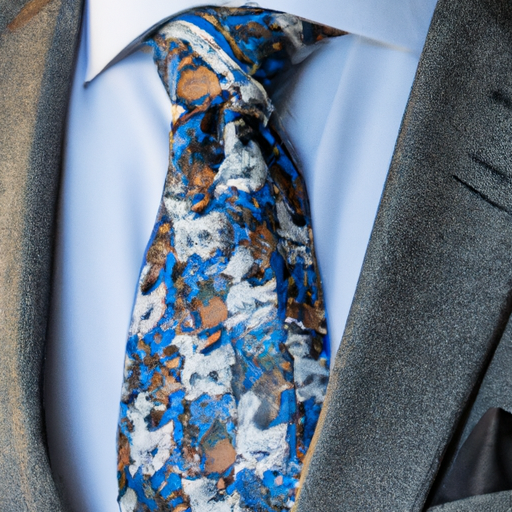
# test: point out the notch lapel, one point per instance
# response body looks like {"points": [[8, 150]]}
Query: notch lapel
{"points": [[37, 46], [434, 295]]}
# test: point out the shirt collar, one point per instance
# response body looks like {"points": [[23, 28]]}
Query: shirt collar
{"points": [[115, 27]]}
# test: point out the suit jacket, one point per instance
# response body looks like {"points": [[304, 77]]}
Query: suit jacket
{"points": [[428, 345]]}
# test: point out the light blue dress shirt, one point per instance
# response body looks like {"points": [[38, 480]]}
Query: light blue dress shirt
{"points": [[341, 108]]}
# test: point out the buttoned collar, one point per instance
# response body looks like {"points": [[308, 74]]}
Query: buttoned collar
{"points": [[115, 27]]}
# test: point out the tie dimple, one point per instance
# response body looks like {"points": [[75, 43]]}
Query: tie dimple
{"points": [[227, 357]]}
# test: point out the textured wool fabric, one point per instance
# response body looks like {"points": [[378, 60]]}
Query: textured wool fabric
{"points": [[227, 360], [33, 100], [494, 392], [495, 502], [496, 388], [433, 298]]}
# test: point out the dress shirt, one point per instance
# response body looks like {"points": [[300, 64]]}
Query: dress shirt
{"points": [[341, 108]]}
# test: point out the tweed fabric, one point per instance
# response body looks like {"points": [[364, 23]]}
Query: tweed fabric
{"points": [[495, 391], [34, 86], [496, 388], [495, 502], [434, 295]]}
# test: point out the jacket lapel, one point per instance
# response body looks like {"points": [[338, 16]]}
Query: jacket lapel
{"points": [[37, 45], [434, 295]]}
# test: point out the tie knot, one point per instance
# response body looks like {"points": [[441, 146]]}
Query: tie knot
{"points": [[228, 56], [261, 42]]}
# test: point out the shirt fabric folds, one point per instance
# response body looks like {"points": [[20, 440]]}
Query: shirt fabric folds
{"points": [[341, 108]]}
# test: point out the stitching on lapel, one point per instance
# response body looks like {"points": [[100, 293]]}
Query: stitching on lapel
{"points": [[30, 10]]}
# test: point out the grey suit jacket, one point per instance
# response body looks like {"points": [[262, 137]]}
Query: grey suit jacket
{"points": [[428, 346]]}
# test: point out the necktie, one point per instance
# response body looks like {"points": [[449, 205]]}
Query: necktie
{"points": [[227, 357]]}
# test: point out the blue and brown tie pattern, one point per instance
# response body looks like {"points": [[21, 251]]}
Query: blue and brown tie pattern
{"points": [[227, 358]]}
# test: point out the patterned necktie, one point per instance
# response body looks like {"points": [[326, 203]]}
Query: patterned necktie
{"points": [[227, 357]]}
